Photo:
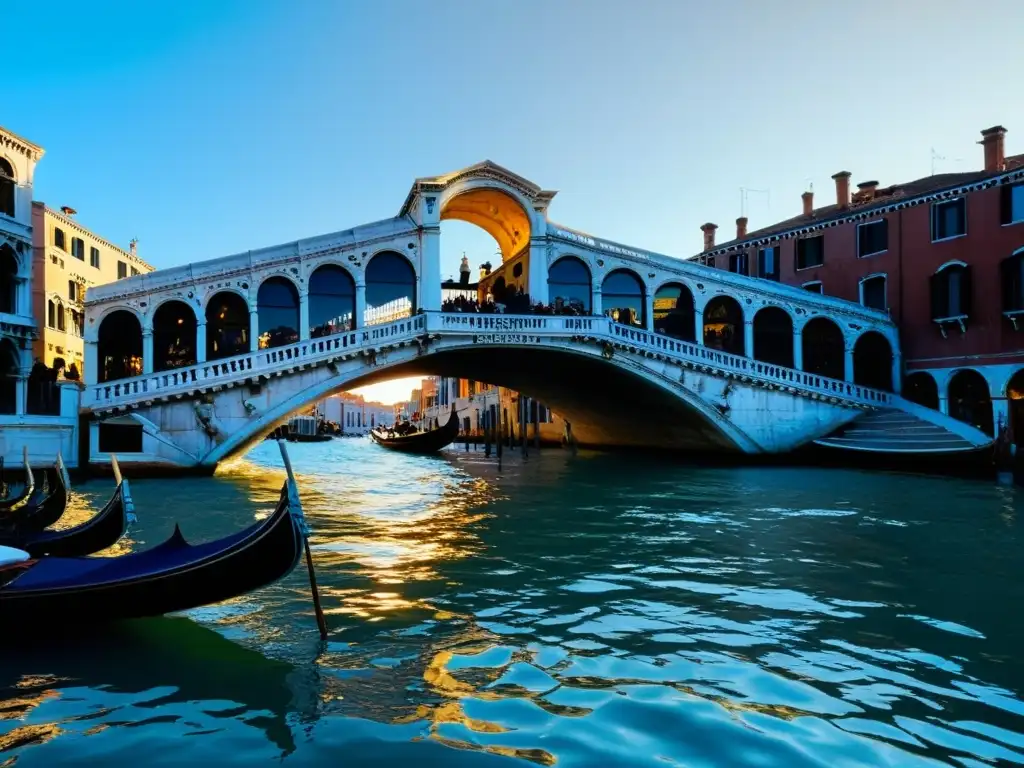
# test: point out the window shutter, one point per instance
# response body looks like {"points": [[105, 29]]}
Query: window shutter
{"points": [[940, 300], [966, 292], [1006, 204], [1009, 278]]}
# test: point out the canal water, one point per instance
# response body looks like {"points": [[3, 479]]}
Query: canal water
{"points": [[594, 610]]}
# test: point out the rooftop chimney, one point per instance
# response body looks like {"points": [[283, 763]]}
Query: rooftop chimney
{"points": [[866, 190], [709, 235], [68, 211], [842, 180], [133, 247], [992, 140], [741, 227], [808, 198]]}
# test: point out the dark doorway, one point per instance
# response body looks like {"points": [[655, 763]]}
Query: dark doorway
{"points": [[674, 313], [773, 336], [921, 388], [970, 400], [723, 325], [824, 350], [227, 326], [174, 336], [872, 362], [120, 346]]}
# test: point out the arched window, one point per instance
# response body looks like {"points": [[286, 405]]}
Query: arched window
{"points": [[872, 361], [120, 346], [773, 336], [951, 292], [674, 313], [622, 298], [8, 280], [569, 285], [723, 325], [970, 400], [390, 288], [174, 336], [277, 303], [921, 388], [7, 187], [51, 314], [227, 326], [332, 301], [8, 377], [873, 293], [824, 349], [61, 317]]}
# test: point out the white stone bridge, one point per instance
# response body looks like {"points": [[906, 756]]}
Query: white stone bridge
{"points": [[188, 366]]}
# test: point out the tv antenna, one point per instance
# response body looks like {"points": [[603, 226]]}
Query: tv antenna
{"points": [[745, 193], [937, 156]]}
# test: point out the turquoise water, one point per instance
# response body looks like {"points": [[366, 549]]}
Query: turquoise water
{"points": [[593, 610]]}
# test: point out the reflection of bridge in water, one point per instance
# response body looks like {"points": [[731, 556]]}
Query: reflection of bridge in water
{"points": [[189, 365]]}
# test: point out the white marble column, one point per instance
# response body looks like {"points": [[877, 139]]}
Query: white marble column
{"points": [[429, 298], [698, 325], [748, 338], [897, 373], [537, 272], [595, 299], [848, 364], [360, 317], [91, 374], [254, 329], [20, 395], [147, 350], [798, 349], [303, 316], [649, 311], [201, 342]]}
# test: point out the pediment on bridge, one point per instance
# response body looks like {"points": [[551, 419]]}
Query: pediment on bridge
{"points": [[487, 171]]}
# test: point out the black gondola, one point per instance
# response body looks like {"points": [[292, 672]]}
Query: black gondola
{"points": [[44, 508], [21, 495], [431, 441], [94, 535], [173, 576]]}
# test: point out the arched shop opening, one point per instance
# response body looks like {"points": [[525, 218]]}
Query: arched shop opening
{"points": [[227, 326], [174, 336], [120, 346], [823, 348], [674, 312], [970, 400], [773, 336], [723, 325], [277, 302]]}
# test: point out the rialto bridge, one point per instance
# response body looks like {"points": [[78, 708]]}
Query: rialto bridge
{"points": [[187, 366]]}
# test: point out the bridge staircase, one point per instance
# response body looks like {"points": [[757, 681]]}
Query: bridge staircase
{"points": [[906, 429]]}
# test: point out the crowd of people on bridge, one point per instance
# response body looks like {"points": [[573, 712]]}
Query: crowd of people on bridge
{"points": [[512, 303]]}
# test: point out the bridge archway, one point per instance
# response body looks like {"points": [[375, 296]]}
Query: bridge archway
{"points": [[496, 212], [824, 348], [674, 313], [174, 336], [390, 288], [773, 336], [723, 325], [8, 280], [970, 400], [921, 388], [872, 361], [120, 346], [277, 302], [623, 298], [227, 326], [1015, 400], [332, 301], [569, 284]]}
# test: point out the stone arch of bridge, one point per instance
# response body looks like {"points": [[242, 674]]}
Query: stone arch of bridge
{"points": [[583, 386], [498, 210]]}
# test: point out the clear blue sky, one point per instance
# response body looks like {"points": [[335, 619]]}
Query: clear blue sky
{"points": [[206, 127]]}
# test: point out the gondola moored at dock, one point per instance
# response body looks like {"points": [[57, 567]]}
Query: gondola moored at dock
{"points": [[172, 576], [44, 507], [16, 496], [431, 441]]}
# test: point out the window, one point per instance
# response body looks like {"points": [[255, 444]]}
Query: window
{"points": [[78, 248], [872, 292], [77, 322], [810, 252], [1012, 279], [949, 219], [134, 271], [73, 290], [7, 186], [122, 270], [58, 239], [51, 314], [738, 263], [951, 292], [814, 287], [872, 238], [768, 263], [94, 257], [60, 316], [1013, 204]]}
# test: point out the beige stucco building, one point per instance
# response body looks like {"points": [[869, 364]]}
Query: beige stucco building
{"points": [[67, 260]]}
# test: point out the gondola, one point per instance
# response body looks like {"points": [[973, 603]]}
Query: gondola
{"points": [[173, 576], [431, 441], [10, 502], [44, 507], [94, 535]]}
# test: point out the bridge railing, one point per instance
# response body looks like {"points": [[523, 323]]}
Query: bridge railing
{"points": [[228, 370], [215, 373]]}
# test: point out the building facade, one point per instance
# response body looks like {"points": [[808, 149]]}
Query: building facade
{"points": [[481, 406], [353, 413], [943, 255], [68, 259]]}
